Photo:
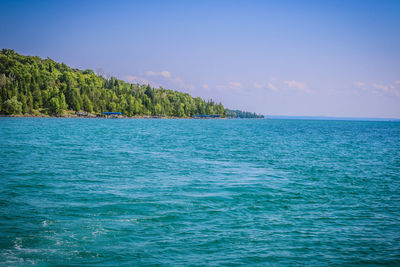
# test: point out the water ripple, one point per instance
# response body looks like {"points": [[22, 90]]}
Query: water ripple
{"points": [[199, 192]]}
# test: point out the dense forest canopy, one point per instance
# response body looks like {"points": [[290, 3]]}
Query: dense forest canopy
{"points": [[31, 85]]}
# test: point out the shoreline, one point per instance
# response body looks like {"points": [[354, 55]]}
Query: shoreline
{"points": [[88, 117]]}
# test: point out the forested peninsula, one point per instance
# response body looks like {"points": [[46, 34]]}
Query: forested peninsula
{"points": [[30, 85]]}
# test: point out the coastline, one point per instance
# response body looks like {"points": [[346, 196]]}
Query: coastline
{"points": [[94, 117]]}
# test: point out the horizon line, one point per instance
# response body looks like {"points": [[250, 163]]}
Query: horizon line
{"points": [[317, 117]]}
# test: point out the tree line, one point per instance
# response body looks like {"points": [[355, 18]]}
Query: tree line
{"points": [[242, 114], [32, 85]]}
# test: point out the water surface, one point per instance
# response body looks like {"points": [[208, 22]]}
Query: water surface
{"points": [[199, 192]]}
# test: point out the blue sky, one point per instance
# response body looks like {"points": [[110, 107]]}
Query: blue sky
{"points": [[321, 58]]}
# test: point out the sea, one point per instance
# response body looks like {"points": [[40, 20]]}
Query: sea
{"points": [[185, 192]]}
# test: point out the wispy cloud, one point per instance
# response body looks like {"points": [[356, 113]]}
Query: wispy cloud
{"points": [[235, 85], [136, 79], [181, 83], [297, 85], [268, 85], [294, 84], [271, 86], [157, 78], [258, 85], [130, 78], [359, 84], [164, 73], [381, 87]]}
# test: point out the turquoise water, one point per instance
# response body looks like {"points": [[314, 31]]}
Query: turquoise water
{"points": [[199, 192]]}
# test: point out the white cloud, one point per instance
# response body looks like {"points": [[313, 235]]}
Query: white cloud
{"points": [[152, 73], [130, 78], [268, 85], [167, 76], [359, 84], [205, 86], [164, 73], [136, 79], [381, 87], [258, 85], [178, 81], [297, 85], [271, 86], [387, 89], [235, 85], [294, 84]]}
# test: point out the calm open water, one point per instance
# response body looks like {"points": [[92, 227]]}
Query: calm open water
{"points": [[199, 192]]}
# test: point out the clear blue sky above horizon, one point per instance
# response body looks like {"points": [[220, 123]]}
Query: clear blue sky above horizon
{"points": [[309, 58]]}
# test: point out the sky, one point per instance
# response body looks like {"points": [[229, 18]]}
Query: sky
{"points": [[296, 58]]}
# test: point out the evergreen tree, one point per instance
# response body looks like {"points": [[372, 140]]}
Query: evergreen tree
{"points": [[54, 106]]}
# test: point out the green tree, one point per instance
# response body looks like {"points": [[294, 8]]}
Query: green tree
{"points": [[37, 99], [63, 104], [87, 104], [149, 92], [13, 106], [159, 109], [54, 106], [29, 102], [22, 99], [181, 110], [3, 80]]}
